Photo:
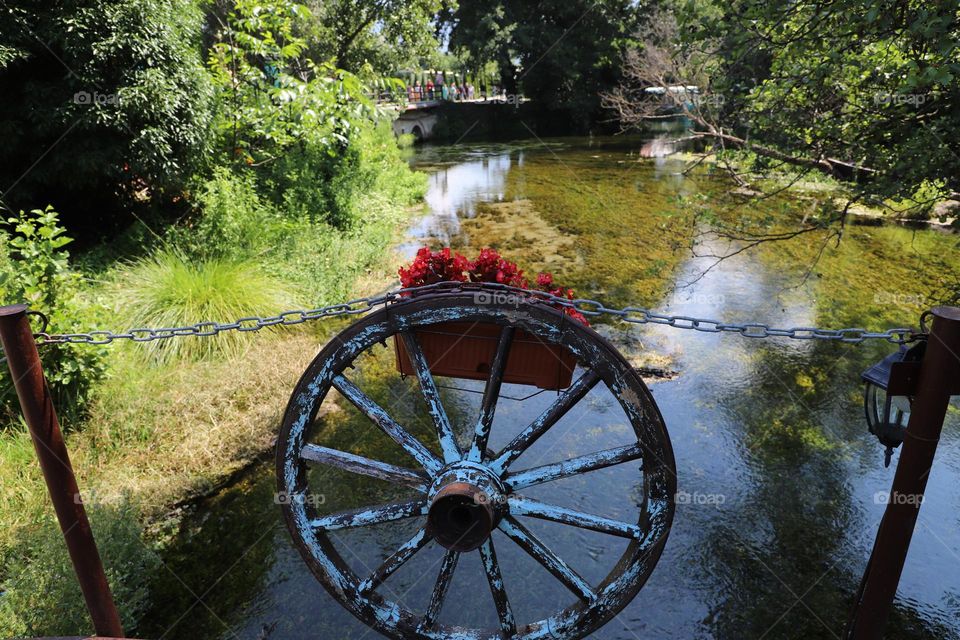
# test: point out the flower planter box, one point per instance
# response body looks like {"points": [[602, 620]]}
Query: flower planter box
{"points": [[466, 350]]}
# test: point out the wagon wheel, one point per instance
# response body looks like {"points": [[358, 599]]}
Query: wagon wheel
{"points": [[466, 494]]}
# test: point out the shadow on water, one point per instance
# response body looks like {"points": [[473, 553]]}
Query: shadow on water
{"points": [[778, 481]]}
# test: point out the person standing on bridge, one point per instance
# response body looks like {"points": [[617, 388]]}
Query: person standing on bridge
{"points": [[429, 94]]}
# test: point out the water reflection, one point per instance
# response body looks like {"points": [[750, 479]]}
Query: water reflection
{"points": [[453, 194]]}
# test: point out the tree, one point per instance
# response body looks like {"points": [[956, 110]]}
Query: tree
{"points": [[105, 102], [384, 34], [560, 53], [865, 90]]}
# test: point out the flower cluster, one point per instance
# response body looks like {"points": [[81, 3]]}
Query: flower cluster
{"points": [[430, 267], [491, 267]]}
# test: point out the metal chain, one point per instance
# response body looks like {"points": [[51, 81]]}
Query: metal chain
{"points": [[485, 293]]}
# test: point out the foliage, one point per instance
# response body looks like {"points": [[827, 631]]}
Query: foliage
{"points": [[857, 80], [384, 35], [288, 119], [561, 53], [42, 270], [34, 268], [167, 290], [41, 595], [231, 221], [108, 104]]}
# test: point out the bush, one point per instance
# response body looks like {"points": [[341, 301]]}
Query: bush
{"points": [[168, 290], [40, 593], [314, 185], [35, 268], [230, 220], [307, 131], [136, 104]]}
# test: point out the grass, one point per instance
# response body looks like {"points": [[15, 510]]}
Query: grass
{"points": [[167, 434], [43, 595], [22, 496], [168, 290]]}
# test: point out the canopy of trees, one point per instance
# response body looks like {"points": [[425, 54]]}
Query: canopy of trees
{"points": [[385, 34], [864, 89], [103, 101], [563, 53]]}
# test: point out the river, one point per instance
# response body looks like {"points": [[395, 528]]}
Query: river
{"points": [[780, 486]]}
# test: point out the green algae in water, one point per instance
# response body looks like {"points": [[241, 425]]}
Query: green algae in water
{"points": [[620, 230]]}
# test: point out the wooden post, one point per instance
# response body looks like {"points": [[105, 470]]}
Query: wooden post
{"points": [[939, 372], [38, 412]]}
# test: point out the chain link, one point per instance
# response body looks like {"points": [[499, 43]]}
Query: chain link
{"points": [[483, 291]]}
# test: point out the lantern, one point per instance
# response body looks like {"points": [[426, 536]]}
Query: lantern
{"points": [[887, 395]]}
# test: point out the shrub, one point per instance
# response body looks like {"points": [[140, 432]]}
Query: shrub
{"points": [[136, 103], [168, 290], [35, 268], [231, 221], [314, 184], [41, 595], [314, 140]]}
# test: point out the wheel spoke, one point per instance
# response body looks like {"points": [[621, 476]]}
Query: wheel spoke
{"points": [[550, 561], [394, 562], [364, 466], [491, 394], [547, 419], [520, 506], [388, 425], [448, 441], [440, 589], [370, 515], [573, 466], [492, 568]]}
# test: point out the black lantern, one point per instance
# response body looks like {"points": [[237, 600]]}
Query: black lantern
{"points": [[887, 395]]}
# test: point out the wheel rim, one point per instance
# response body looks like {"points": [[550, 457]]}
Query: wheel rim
{"points": [[465, 495]]}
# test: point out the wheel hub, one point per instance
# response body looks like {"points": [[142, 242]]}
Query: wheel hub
{"points": [[466, 504]]}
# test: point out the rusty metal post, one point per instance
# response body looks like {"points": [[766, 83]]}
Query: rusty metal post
{"points": [[38, 412], [939, 373]]}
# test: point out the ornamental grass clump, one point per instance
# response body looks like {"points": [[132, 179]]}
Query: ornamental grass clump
{"points": [[167, 290]]}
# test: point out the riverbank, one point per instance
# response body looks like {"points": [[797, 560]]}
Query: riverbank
{"points": [[162, 428], [941, 213]]}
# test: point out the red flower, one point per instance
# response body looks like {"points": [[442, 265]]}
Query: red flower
{"points": [[430, 267], [545, 283], [491, 267]]}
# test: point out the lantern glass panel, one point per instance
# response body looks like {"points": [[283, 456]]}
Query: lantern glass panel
{"points": [[878, 407]]}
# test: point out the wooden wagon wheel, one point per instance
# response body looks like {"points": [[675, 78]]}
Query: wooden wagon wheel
{"points": [[465, 495]]}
